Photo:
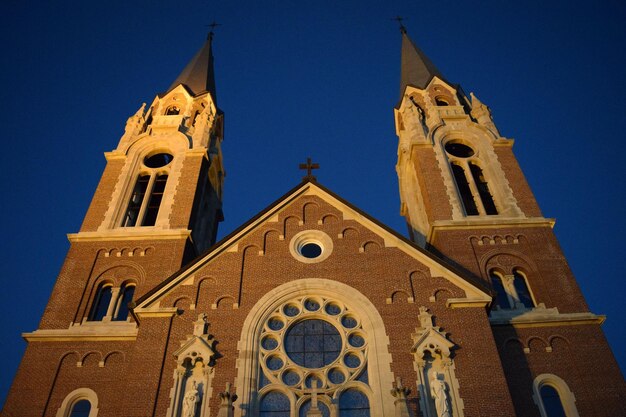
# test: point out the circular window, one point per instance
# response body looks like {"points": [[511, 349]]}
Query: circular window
{"points": [[311, 246], [158, 160], [459, 150], [311, 250], [313, 343], [312, 338]]}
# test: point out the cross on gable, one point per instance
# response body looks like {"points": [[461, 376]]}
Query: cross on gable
{"points": [[309, 166]]}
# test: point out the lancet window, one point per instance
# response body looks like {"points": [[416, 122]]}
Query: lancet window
{"points": [[147, 195], [470, 180]]}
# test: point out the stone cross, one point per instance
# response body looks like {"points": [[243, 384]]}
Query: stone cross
{"points": [[309, 166], [314, 411]]}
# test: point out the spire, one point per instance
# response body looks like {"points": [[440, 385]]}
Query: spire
{"points": [[198, 75], [416, 69]]}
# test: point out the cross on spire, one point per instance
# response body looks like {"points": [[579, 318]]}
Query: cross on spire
{"points": [[399, 19], [213, 25], [309, 166]]}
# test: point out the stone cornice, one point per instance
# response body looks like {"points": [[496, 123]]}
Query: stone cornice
{"points": [[545, 318], [489, 222], [129, 233], [93, 331]]}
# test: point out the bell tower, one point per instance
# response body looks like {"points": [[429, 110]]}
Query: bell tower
{"points": [[166, 152], [465, 198], [157, 205]]}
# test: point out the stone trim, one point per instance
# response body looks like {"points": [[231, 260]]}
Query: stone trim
{"points": [[130, 233], [567, 397], [542, 317], [88, 331], [77, 395]]}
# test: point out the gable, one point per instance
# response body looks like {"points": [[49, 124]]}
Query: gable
{"points": [[357, 249]]}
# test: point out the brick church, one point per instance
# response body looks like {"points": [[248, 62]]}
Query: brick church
{"points": [[314, 308]]}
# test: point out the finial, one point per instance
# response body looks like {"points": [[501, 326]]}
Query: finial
{"points": [[309, 166], [399, 19], [213, 25]]}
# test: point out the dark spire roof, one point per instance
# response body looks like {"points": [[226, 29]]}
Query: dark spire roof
{"points": [[416, 69], [198, 75]]}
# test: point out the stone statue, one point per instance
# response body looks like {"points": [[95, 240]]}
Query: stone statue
{"points": [[190, 401], [438, 392]]}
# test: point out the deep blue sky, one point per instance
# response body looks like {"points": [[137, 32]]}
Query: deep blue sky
{"points": [[308, 78]]}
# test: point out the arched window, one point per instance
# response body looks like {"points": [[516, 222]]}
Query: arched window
{"points": [[101, 302], [126, 296], [353, 403], [464, 190], [502, 298], [80, 408], [551, 401], [82, 402], [511, 290], [441, 101], [470, 180], [172, 111], [145, 200], [275, 404], [314, 340], [553, 397], [521, 289], [111, 303], [303, 348], [483, 189]]}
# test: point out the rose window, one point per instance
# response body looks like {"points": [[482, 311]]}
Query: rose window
{"points": [[313, 341]]}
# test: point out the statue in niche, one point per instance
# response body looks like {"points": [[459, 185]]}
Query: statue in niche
{"points": [[190, 401], [439, 393]]}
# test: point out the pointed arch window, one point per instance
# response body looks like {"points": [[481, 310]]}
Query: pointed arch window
{"points": [[470, 180], [147, 196]]}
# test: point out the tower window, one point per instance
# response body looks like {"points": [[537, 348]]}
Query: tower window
{"points": [[145, 201], [441, 102], [551, 402], [502, 298], [111, 303], [134, 205], [483, 189], [155, 201], [81, 408], [511, 290], [470, 180], [101, 303], [521, 289], [172, 111], [464, 190], [125, 297]]}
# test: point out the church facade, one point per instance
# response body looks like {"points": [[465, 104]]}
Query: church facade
{"points": [[313, 307]]}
